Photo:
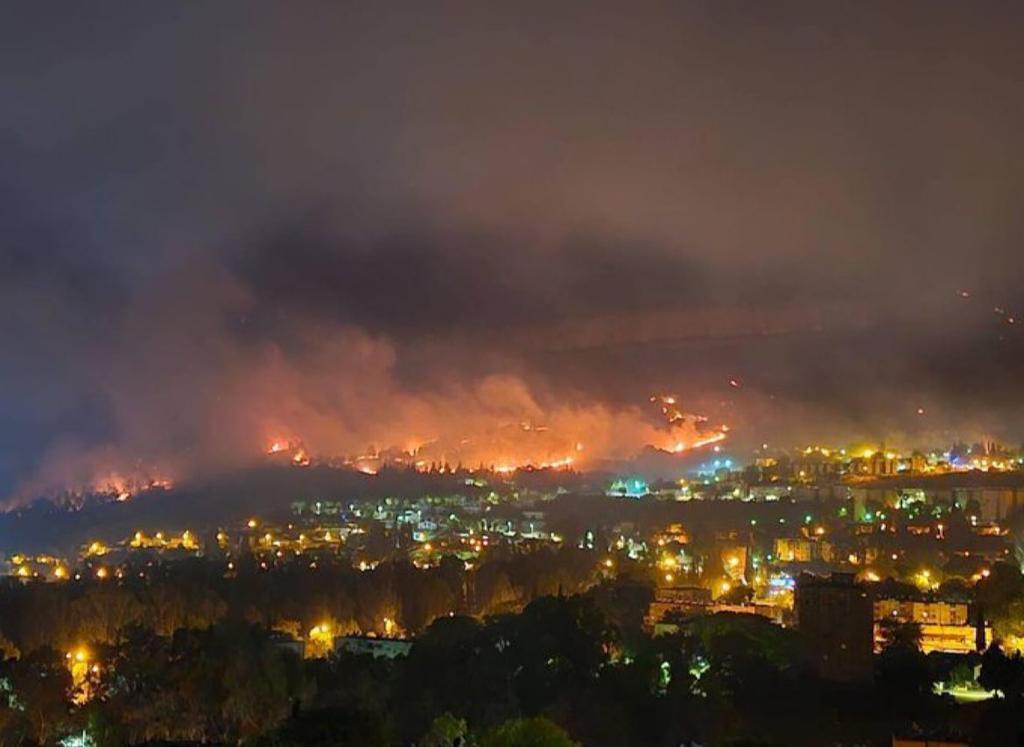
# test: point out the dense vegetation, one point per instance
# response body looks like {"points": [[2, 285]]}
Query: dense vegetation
{"points": [[189, 655]]}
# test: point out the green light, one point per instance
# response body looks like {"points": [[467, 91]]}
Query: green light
{"points": [[78, 740], [664, 675], [698, 667]]}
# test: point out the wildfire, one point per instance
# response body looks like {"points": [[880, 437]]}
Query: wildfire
{"points": [[283, 446], [520, 444], [123, 488], [687, 432], [668, 408], [290, 449], [679, 446], [412, 454], [508, 468], [564, 463]]}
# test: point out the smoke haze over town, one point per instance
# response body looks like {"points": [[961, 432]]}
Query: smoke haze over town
{"points": [[496, 235]]}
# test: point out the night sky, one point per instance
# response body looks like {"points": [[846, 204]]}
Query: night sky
{"points": [[361, 223]]}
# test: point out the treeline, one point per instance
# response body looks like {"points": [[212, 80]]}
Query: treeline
{"points": [[564, 670], [292, 596], [188, 654]]}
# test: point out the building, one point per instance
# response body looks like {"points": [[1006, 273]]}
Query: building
{"points": [[994, 494], [768, 492], [772, 612], [875, 464], [684, 600], [628, 488], [817, 465], [937, 612], [803, 549], [835, 618], [688, 601], [378, 648], [945, 625], [734, 561], [286, 642], [794, 550]]}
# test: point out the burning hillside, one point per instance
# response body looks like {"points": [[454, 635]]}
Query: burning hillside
{"points": [[525, 444]]}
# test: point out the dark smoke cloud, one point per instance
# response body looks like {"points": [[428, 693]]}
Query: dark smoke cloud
{"points": [[365, 221]]}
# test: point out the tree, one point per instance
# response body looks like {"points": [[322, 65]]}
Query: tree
{"points": [[494, 592], [556, 645], [428, 597], [103, 609], [137, 685], [329, 728], [956, 588], [1004, 585], [727, 634], [41, 683], [457, 665], [1002, 673], [446, 731], [961, 675], [529, 732], [257, 685], [377, 602], [261, 681], [1008, 622], [7, 649], [903, 676], [900, 634], [738, 594], [103, 727], [624, 604]]}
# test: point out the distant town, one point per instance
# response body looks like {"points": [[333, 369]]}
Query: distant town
{"points": [[856, 550]]}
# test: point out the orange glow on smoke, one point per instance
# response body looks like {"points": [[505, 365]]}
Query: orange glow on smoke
{"points": [[507, 445]]}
